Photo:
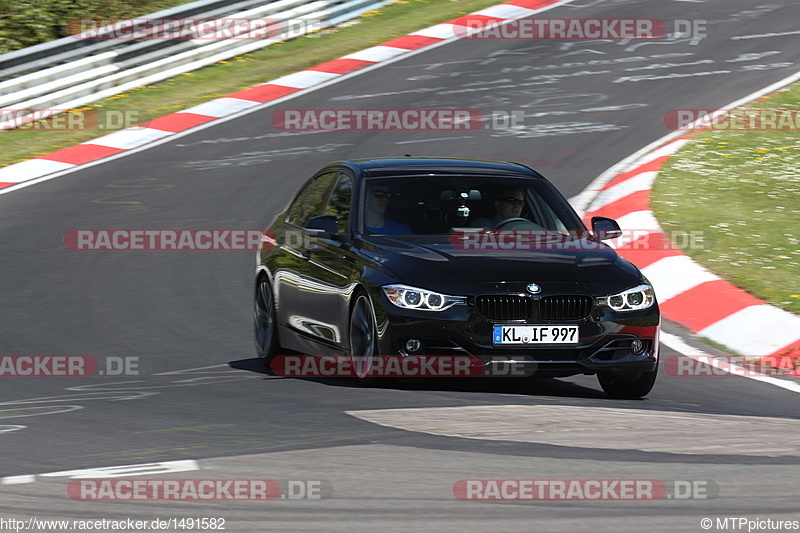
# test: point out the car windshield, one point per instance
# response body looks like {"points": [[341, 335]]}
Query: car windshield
{"points": [[443, 204]]}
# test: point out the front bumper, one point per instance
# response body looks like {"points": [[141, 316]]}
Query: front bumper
{"points": [[604, 345]]}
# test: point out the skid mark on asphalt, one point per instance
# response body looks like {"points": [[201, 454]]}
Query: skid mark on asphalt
{"points": [[117, 391], [223, 140], [550, 130], [434, 140], [36, 411], [257, 158], [133, 205]]}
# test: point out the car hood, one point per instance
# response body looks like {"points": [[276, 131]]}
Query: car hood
{"points": [[582, 265]]}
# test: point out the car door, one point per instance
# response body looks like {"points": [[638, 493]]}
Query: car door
{"points": [[312, 285], [334, 263], [294, 275]]}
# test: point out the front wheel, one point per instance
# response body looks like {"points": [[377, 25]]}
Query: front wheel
{"points": [[629, 390], [363, 338], [266, 330]]}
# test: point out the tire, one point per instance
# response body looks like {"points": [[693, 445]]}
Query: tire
{"points": [[363, 338], [266, 329], [628, 390]]}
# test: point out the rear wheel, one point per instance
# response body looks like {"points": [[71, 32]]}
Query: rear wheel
{"points": [[616, 387], [265, 325], [363, 338]]}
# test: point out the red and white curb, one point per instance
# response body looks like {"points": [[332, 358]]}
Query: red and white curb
{"points": [[688, 293], [160, 128]]}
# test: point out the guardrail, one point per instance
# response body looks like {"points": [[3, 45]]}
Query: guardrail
{"points": [[74, 71], [51, 53]]}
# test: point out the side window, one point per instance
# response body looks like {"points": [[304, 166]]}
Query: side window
{"points": [[310, 201], [339, 204], [542, 207]]}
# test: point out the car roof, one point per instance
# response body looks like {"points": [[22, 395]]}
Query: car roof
{"points": [[385, 167]]}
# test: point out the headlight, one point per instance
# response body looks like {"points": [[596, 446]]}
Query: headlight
{"points": [[413, 298], [640, 297]]}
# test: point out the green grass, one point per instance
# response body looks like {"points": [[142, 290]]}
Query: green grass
{"points": [[743, 189], [30, 22], [239, 73]]}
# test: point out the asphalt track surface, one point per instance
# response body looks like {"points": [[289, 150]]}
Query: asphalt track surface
{"points": [[187, 315]]}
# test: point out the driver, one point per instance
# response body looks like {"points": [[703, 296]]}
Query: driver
{"points": [[377, 203], [507, 203]]}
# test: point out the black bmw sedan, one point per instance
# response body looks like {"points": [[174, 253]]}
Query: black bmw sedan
{"points": [[425, 257]]}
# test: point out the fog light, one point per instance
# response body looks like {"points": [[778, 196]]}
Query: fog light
{"points": [[413, 345], [637, 347]]}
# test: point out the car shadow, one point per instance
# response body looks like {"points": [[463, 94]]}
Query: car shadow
{"points": [[497, 385]]}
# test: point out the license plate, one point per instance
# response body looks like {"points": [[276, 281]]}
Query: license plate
{"points": [[522, 335]]}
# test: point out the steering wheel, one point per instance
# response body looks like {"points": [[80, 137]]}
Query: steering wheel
{"points": [[517, 223]]}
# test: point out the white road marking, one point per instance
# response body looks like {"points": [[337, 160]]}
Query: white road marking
{"points": [[432, 140], [145, 469], [185, 370], [16, 480]]}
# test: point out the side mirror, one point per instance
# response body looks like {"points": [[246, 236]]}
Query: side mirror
{"points": [[324, 226], [605, 228]]}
